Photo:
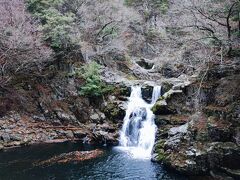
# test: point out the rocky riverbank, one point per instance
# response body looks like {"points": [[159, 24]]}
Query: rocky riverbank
{"points": [[17, 130], [48, 109]]}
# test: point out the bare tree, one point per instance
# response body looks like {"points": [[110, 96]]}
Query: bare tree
{"points": [[20, 41], [216, 19]]}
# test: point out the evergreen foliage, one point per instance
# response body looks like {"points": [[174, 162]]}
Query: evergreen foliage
{"points": [[57, 22], [93, 87]]}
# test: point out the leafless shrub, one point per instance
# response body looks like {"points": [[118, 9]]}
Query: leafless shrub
{"points": [[20, 41], [217, 20]]}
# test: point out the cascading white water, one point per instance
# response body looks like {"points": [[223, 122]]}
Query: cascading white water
{"points": [[138, 132], [156, 94]]}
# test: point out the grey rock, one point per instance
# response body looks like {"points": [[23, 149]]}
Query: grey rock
{"points": [[95, 117], [69, 134], [65, 116], [15, 137], [79, 134], [8, 131], [180, 129], [5, 137], [39, 118]]}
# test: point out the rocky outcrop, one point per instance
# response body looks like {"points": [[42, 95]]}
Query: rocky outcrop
{"points": [[199, 135]]}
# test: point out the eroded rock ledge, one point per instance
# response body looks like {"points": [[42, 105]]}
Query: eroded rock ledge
{"points": [[18, 130]]}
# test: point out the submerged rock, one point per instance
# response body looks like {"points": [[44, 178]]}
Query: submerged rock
{"points": [[72, 157]]}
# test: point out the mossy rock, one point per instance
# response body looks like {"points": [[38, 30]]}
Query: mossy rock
{"points": [[124, 91], [159, 148], [114, 112], [161, 108], [166, 86]]}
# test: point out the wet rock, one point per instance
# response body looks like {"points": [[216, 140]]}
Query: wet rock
{"points": [[104, 137], [13, 144], [235, 173], [72, 157], [174, 142], [147, 93], [220, 175], [159, 155], [210, 143], [154, 157]]}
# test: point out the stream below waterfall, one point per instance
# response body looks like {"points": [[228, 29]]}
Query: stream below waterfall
{"points": [[17, 164]]}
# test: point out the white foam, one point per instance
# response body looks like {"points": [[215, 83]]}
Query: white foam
{"points": [[137, 136]]}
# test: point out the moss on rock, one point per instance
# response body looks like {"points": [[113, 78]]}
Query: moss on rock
{"points": [[159, 148]]}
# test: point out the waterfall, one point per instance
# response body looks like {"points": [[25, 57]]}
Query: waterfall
{"points": [[138, 132], [156, 94]]}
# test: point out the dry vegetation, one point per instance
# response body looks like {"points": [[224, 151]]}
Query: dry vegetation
{"points": [[177, 35], [21, 46]]}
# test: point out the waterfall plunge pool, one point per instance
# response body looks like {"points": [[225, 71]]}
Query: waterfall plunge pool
{"points": [[17, 164], [130, 160]]}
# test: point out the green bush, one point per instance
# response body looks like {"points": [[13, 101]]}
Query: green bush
{"points": [[94, 86]]}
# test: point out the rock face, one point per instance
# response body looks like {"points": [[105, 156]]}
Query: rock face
{"points": [[51, 110], [201, 138]]}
